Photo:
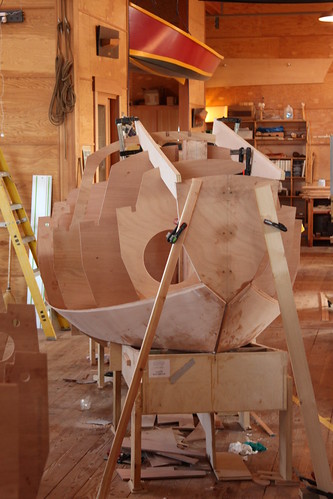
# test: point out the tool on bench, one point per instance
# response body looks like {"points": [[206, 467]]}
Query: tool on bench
{"points": [[126, 130]]}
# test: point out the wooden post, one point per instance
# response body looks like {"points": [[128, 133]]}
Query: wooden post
{"points": [[285, 433], [100, 365], [148, 340], [294, 338], [136, 419], [115, 367]]}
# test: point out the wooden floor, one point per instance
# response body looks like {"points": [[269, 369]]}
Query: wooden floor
{"points": [[79, 446]]}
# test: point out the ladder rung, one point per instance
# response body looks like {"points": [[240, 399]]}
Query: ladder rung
{"points": [[16, 206], [36, 272], [28, 239], [19, 221]]}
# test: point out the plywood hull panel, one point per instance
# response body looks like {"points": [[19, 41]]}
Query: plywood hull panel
{"points": [[102, 254], [190, 320]]}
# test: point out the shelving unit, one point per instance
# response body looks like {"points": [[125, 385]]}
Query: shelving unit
{"points": [[287, 147], [320, 227]]}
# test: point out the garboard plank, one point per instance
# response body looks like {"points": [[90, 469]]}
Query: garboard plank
{"points": [[196, 309], [248, 306]]}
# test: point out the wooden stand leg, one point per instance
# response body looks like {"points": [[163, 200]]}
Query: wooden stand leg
{"points": [[244, 420], [135, 484], [294, 338], [285, 434], [115, 367], [92, 352], [100, 365], [116, 398]]}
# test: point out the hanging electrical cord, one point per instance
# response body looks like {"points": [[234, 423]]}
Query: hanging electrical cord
{"points": [[63, 96]]}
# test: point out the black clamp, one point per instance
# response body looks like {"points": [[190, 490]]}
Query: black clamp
{"points": [[311, 486], [173, 236], [277, 225]]}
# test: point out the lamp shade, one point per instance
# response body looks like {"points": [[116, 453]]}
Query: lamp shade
{"points": [[327, 17], [214, 112]]}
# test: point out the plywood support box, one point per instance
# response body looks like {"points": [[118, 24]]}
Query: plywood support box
{"points": [[208, 383]]}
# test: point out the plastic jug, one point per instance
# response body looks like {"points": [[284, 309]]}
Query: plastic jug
{"points": [[288, 113]]}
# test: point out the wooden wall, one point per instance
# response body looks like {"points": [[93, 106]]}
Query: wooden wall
{"points": [[248, 33], [196, 28], [110, 74], [32, 145]]}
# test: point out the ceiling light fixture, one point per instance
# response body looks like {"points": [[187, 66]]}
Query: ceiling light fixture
{"points": [[327, 17]]}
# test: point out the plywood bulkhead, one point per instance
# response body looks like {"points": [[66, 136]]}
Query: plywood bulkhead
{"points": [[114, 255]]}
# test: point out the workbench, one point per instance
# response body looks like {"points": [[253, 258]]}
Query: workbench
{"points": [[317, 199], [254, 378]]}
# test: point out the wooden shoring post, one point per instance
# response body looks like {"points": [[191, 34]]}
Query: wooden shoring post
{"points": [[294, 338], [148, 340]]}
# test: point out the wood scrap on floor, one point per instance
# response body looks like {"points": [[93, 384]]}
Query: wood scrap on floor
{"points": [[197, 434], [183, 420], [229, 466], [148, 420], [162, 440], [262, 423], [158, 473]]}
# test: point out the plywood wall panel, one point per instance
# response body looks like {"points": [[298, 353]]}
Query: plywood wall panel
{"points": [[31, 48], [91, 64], [26, 103], [241, 8], [267, 26], [108, 12], [269, 47], [85, 104], [24, 161]]}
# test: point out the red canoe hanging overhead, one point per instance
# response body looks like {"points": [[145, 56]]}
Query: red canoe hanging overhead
{"points": [[161, 48]]}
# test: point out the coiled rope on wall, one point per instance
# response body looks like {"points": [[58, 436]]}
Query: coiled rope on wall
{"points": [[63, 96]]}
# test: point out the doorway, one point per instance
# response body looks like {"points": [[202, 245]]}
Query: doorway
{"points": [[106, 112]]}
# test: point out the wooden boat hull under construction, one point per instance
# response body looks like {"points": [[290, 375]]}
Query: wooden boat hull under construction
{"points": [[103, 251]]}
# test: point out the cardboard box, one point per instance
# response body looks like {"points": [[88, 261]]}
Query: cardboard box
{"points": [[152, 97]]}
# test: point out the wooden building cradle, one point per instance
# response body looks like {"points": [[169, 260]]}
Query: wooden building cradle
{"points": [[103, 251]]}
